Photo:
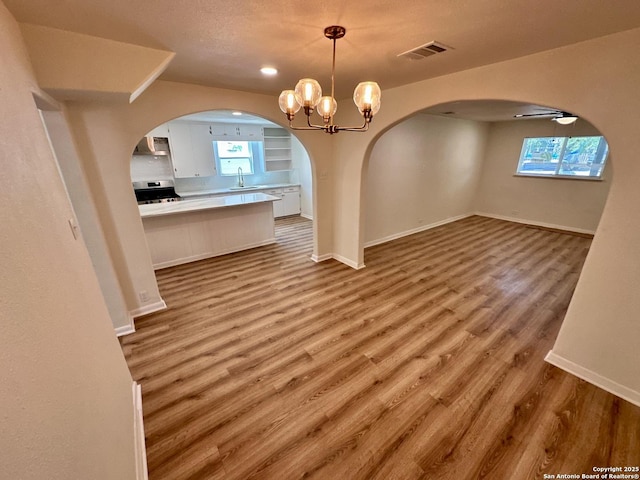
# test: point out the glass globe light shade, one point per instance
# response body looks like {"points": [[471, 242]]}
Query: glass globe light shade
{"points": [[327, 107], [288, 103], [366, 96], [308, 92], [565, 120], [375, 109]]}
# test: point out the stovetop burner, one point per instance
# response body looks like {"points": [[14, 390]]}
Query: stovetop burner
{"points": [[159, 200]]}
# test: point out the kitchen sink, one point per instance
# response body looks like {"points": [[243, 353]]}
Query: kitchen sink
{"points": [[243, 188]]}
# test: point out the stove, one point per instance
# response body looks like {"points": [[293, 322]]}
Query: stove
{"points": [[159, 200], [156, 191]]}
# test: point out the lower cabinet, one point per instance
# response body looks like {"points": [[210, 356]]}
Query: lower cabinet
{"points": [[278, 209], [289, 203]]}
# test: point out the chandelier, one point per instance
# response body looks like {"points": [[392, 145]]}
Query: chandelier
{"points": [[308, 95]]}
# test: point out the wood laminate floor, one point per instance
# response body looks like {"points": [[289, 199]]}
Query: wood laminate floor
{"points": [[427, 364]]}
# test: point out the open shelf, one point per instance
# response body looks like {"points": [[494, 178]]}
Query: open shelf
{"points": [[277, 149]]}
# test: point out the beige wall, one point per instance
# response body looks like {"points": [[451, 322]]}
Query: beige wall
{"points": [[602, 313], [65, 391], [572, 204], [423, 171], [600, 333], [106, 135], [303, 167]]}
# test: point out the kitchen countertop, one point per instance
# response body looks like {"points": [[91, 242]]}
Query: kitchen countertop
{"points": [[235, 191], [183, 206]]}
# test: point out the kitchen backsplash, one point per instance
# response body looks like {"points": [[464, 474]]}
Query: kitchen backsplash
{"points": [[219, 182], [149, 167]]}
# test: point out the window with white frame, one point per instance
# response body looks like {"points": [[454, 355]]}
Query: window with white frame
{"points": [[231, 155], [569, 157]]}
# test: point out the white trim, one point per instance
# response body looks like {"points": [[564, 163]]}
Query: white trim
{"points": [[419, 229], [537, 224], [125, 330], [340, 258], [348, 261], [138, 434], [202, 256], [308, 217], [147, 309], [594, 378], [152, 77], [321, 258]]}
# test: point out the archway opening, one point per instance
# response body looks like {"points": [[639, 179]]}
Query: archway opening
{"points": [[225, 157], [501, 159]]}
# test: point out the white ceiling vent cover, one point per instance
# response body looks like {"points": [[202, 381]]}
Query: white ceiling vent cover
{"points": [[424, 51]]}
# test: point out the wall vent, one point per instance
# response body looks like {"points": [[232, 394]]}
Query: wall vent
{"points": [[424, 51]]}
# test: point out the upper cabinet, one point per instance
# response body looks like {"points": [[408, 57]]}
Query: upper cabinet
{"points": [[277, 149], [159, 131], [225, 131], [251, 133], [191, 150], [191, 144]]}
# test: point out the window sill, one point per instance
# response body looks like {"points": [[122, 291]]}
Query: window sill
{"points": [[561, 177]]}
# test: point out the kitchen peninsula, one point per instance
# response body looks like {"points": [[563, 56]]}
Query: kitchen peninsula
{"points": [[190, 230]]}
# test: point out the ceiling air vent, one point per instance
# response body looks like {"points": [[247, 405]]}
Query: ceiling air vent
{"points": [[424, 51]]}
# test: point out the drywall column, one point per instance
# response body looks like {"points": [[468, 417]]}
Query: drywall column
{"points": [[84, 208]]}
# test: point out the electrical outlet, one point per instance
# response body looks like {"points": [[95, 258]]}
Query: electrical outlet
{"points": [[144, 296]]}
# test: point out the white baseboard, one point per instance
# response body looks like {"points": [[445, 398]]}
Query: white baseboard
{"points": [[195, 258], [125, 329], [308, 217], [147, 309], [348, 261], [142, 472], [340, 258], [419, 229], [594, 378], [321, 258], [537, 224]]}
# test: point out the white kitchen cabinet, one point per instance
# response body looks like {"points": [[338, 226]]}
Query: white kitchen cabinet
{"points": [[191, 150], [250, 133], [291, 201], [159, 131], [278, 209], [202, 145], [224, 131], [208, 230], [231, 132]]}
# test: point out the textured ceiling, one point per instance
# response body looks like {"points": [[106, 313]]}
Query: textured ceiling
{"points": [[222, 43]]}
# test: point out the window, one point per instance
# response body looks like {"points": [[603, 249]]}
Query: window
{"points": [[232, 155], [563, 157]]}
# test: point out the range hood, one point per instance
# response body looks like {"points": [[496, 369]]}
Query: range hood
{"points": [[152, 146]]}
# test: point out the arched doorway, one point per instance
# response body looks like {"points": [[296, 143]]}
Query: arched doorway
{"points": [[462, 158], [222, 155]]}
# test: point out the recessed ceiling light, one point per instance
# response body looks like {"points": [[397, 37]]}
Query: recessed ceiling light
{"points": [[236, 113], [268, 71]]}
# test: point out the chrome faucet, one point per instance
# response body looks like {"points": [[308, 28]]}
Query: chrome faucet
{"points": [[240, 177]]}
